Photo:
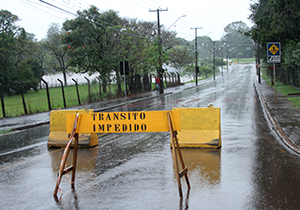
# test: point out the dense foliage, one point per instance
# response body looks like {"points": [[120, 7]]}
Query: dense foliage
{"points": [[279, 21], [18, 56]]}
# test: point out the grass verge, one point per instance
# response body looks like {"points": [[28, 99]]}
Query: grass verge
{"points": [[37, 101], [243, 60], [283, 89], [6, 131]]}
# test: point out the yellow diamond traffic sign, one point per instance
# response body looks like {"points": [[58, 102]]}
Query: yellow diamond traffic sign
{"points": [[273, 52], [273, 49]]}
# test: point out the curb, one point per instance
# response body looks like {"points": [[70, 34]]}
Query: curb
{"points": [[274, 123]]}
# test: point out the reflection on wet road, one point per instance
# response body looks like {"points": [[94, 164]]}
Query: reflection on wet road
{"points": [[252, 170]]}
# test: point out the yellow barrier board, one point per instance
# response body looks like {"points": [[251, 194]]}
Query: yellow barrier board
{"points": [[196, 127], [123, 122]]}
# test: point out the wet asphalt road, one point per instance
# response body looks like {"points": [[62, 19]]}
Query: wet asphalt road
{"points": [[252, 170]]}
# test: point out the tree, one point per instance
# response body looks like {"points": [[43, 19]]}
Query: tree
{"points": [[138, 46], [205, 70], [57, 48], [91, 39], [236, 40], [180, 57], [204, 44], [17, 62], [8, 32], [276, 20], [29, 70]]}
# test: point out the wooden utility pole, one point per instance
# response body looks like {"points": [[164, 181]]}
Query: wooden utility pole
{"points": [[196, 54], [214, 60], [160, 70]]}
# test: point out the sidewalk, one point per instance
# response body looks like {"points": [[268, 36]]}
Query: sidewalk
{"points": [[284, 118]]}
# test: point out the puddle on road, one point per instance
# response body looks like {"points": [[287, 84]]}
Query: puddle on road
{"points": [[203, 165]]}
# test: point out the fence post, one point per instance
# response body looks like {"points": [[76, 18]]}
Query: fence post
{"points": [[23, 99], [98, 78], [2, 102], [48, 95], [170, 83], [77, 91], [89, 89], [175, 78], [63, 92], [109, 87], [178, 75]]}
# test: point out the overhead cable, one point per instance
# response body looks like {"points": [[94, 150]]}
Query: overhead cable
{"points": [[109, 27]]}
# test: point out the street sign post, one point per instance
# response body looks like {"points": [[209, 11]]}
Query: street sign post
{"points": [[274, 56]]}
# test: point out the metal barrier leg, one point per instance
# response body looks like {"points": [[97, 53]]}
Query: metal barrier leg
{"points": [[62, 167], [175, 149], [74, 160], [176, 164], [72, 168]]}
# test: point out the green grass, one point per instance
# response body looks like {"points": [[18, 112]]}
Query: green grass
{"points": [[283, 89], [37, 101], [295, 101], [243, 60], [6, 131]]}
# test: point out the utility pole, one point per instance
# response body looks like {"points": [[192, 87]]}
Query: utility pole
{"points": [[227, 58], [214, 60], [258, 59], [160, 71], [221, 60], [237, 52], [196, 55]]}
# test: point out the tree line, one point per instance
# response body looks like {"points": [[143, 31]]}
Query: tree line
{"points": [[96, 41], [278, 21]]}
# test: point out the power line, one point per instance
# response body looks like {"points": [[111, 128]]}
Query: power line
{"points": [[111, 28], [158, 3], [136, 4], [148, 3], [57, 8], [30, 5]]}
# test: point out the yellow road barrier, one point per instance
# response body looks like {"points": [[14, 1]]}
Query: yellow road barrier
{"points": [[58, 136], [196, 127], [188, 127], [200, 127]]}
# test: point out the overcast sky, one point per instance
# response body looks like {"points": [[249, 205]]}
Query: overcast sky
{"points": [[212, 15]]}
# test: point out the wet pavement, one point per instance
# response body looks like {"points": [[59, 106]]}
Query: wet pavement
{"points": [[252, 170]]}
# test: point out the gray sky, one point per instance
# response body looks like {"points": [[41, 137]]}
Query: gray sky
{"points": [[212, 15]]}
